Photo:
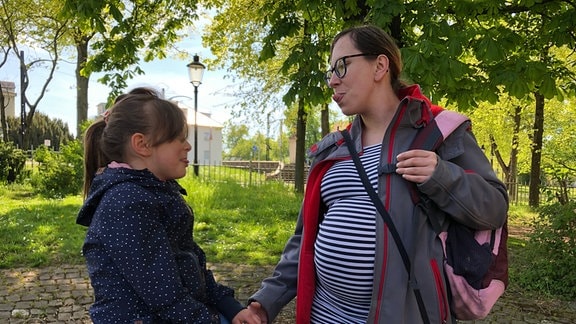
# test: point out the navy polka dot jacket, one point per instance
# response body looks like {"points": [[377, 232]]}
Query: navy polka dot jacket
{"points": [[142, 260]]}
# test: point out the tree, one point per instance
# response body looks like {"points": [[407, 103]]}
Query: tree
{"points": [[543, 29], [45, 128], [30, 25], [5, 50], [112, 36], [290, 49], [503, 130], [3, 106], [467, 52], [460, 51], [558, 151]]}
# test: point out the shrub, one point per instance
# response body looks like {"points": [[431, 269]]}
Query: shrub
{"points": [[552, 249], [12, 162], [59, 173]]}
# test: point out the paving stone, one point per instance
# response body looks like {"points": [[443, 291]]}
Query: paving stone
{"points": [[6, 307], [20, 313], [63, 295]]}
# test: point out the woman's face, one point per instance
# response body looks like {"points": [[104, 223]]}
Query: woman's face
{"points": [[352, 91]]}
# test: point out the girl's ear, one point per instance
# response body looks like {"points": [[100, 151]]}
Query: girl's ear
{"points": [[139, 144], [382, 67]]}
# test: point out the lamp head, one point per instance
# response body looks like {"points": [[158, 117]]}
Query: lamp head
{"points": [[196, 71]]}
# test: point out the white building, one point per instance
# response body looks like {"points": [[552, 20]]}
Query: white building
{"points": [[9, 91], [209, 137]]}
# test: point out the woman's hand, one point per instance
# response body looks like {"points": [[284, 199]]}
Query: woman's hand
{"points": [[257, 309], [416, 165], [246, 316]]}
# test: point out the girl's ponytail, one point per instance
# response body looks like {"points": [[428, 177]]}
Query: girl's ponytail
{"points": [[94, 157]]}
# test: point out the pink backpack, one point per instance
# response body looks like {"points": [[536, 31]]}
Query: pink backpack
{"points": [[476, 262]]}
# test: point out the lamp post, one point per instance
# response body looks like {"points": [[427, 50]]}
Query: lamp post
{"points": [[195, 72]]}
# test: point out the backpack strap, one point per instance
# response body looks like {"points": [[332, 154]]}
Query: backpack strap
{"points": [[432, 135], [429, 138]]}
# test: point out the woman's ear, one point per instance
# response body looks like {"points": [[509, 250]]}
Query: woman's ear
{"points": [[382, 67], [139, 144]]}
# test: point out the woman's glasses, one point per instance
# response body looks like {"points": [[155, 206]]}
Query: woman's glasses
{"points": [[339, 67]]}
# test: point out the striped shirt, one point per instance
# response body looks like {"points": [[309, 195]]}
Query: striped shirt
{"points": [[345, 246]]}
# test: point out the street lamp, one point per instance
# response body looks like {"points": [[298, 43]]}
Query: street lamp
{"points": [[195, 72]]}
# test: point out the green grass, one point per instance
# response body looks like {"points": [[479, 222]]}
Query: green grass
{"points": [[233, 223], [241, 224], [35, 231], [244, 225]]}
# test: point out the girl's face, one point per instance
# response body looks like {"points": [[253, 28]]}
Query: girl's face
{"points": [[352, 91], [169, 160]]}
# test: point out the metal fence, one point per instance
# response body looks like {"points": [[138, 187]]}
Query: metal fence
{"points": [[259, 172], [519, 193]]}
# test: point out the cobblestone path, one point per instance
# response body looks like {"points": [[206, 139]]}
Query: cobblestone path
{"points": [[63, 295]]}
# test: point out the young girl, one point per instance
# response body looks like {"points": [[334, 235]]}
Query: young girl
{"points": [[142, 260]]}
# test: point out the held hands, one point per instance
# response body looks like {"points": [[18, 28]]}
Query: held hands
{"points": [[257, 309], [246, 316], [416, 165]]}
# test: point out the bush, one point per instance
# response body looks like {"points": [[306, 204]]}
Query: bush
{"points": [[552, 249], [60, 173], [12, 162]]}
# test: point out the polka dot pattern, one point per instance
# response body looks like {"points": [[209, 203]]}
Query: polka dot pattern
{"points": [[141, 257]]}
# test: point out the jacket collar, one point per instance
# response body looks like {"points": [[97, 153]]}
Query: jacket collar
{"points": [[419, 112]]}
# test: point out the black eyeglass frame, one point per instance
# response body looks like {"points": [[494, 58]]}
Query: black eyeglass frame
{"points": [[333, 70]]}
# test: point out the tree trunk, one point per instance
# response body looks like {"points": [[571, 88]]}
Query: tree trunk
{"points": [[300, 146], [325, 120], [512, 177], [3, 123], [510, 171], [535, 168], [81, 85]]}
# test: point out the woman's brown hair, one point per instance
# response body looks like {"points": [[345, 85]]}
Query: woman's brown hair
{"points": [[372, 39]]}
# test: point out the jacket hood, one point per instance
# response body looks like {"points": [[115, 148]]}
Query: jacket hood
{"points": [[113, 176]]}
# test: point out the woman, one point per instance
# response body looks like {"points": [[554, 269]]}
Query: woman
{"points": [[342, 262]]}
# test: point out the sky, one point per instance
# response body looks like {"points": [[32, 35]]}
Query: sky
{"points": [[170, 75]]}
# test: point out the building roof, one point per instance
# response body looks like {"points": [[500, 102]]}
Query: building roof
{"points": [[203, 118], [8, 86]]}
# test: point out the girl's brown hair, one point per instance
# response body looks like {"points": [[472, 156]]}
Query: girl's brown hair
{"points": [[372, 39], [139, 111]]}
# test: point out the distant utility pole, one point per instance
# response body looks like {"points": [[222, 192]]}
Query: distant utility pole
{"points": [[22, 99]]}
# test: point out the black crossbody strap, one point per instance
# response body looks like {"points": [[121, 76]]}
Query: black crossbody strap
{"points": [[388, 220]]}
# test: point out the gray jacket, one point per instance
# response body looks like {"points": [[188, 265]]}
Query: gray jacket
{"points": [[463, 188]]}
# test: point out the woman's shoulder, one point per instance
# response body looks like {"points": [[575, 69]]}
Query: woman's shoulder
{"points": [[331, 140]]}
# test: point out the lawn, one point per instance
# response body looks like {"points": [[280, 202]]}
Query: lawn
{"points": [[233, 223]]}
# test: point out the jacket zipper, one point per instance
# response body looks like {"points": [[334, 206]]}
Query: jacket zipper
{"points": [[440, 291]]}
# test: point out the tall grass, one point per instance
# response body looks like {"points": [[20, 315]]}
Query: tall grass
{"points": [[236, 224]]}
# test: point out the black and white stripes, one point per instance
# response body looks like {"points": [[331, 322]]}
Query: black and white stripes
{"points": [[345, 245]]}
